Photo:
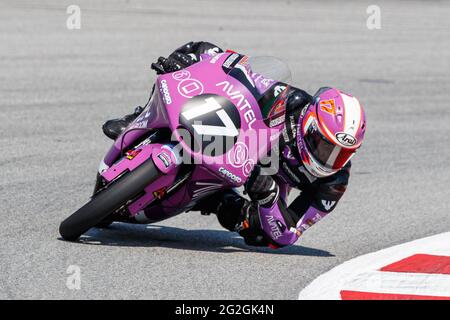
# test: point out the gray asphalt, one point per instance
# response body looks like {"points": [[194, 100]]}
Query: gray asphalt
{"points": [[57, 87]]}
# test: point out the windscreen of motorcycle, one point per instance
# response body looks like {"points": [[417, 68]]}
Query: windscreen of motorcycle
{"points": [[271, 67]]}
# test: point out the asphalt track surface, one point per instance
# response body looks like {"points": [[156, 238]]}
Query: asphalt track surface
{"points": [[57, 86]]}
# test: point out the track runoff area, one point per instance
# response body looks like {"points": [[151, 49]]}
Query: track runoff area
{"points": [[416, 270]]}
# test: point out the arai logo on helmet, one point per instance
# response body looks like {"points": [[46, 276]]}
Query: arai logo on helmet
{"points": [[346, 139]]}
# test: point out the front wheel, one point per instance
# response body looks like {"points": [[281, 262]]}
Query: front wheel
{"points": [[112, 198]]}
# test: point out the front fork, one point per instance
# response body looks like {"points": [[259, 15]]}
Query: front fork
{"points": [[165, 159]]}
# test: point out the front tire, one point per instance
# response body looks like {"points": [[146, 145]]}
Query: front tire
{"points": [[114, 196]]}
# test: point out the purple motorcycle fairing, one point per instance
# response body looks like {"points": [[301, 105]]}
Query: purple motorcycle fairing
{"points": [[211, 173], [201, 183], [208, 77], [153, 117]]}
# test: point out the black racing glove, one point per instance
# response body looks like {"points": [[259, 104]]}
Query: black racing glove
{"points": [[183, 57], [249, 226], [262, 189], [176, 61], [237, 214]]}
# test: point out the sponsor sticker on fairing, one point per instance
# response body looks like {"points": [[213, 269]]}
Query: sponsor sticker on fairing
{"points": [[230, 60], [248, 167], [160, 193], [243, 61], [132, 153], [165, 158], [215, 58], [238, 156], [164, 89], [241, 102], [232, 177], [181, 75], [190, 87]]}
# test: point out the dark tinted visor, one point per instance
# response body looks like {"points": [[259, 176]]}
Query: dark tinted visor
{"points": [[325, 152]]}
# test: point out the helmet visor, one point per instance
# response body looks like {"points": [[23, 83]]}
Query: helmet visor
{"points": [[326, 153]]}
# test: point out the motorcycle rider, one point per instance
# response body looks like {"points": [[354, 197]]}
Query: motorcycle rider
{"points": [[321, 134]]}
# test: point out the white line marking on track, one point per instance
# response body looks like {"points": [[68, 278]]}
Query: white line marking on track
{"points": [[345, 276], [401, 283]]}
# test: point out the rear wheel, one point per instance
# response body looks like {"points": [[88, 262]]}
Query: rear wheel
{"points": [[107, 201]]}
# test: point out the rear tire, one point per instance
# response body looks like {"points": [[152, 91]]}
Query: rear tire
{"points": [[114, 196]]}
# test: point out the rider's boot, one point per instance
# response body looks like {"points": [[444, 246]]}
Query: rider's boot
{"points": [[113, 128]]}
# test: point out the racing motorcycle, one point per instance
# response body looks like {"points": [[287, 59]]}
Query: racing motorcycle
{"points": [[193, 138]]}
